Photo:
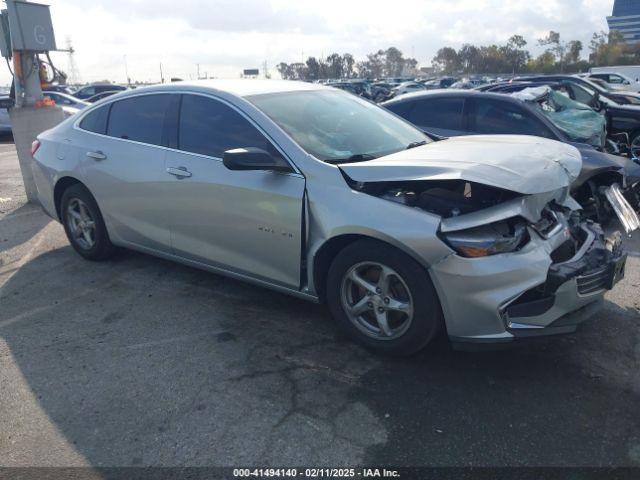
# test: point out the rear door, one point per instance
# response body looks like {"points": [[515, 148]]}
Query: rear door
{"points": [[122, 156], [249, 222]]}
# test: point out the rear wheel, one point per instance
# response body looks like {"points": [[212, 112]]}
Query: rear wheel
{"points": [[84, 225], [383, 298]]}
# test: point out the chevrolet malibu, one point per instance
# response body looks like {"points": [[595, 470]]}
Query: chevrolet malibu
{"points": [[317, 193]]}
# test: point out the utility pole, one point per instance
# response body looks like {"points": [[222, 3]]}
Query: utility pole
{"points": [[72, 68], [126, 71], [161, 75], [26, 30]]}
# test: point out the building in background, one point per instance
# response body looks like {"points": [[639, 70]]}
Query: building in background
{"points": [[626, 19]]}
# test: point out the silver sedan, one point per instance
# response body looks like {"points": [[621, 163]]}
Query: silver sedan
{"points": [[320, 194]]}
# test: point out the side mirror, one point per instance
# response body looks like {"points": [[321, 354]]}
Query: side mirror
{"points": [[6, 102], [252, 158]]}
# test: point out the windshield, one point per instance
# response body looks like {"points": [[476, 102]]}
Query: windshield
{"points": [[592, 88], [335, 126]]}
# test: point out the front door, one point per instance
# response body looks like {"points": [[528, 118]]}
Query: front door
{"points": [[249, 222]]}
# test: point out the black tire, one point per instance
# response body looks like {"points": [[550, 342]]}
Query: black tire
{"points": [[102, 248], [427, 314]]}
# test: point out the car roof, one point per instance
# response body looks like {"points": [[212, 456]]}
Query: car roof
{"points": [[449, 92], [523, 84], [238, 87], [549, 77]]}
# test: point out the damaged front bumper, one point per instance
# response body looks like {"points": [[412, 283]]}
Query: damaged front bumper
{"points": [[549, 287], [622, 206]]}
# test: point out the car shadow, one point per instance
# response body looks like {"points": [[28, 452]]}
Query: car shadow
{"points": [[20, 225], [139, 361]]}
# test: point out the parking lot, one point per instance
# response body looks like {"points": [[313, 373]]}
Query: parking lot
{"points": [[139, 361]]}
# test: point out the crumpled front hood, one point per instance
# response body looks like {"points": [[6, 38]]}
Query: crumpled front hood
{"points": [[521, 164]]}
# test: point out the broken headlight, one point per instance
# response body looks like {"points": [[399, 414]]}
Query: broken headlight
{"points": [[500, 237]]}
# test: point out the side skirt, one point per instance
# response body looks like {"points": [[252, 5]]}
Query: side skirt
{"points": [[222, 271]]}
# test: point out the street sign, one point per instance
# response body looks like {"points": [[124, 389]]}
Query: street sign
{"points": [[31, 26], [251, 72]]}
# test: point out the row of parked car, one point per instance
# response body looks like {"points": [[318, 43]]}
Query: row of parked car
{"points": [[396, 216], [603, 125], [382, 90], [69, 98]]}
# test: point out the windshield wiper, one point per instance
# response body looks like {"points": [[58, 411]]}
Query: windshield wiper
{"points": [[358, 157], [416, 144]]}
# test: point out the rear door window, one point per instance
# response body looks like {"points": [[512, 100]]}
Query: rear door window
{"points": [[401, 109], [88, 91], [210, 127], [580, 94], [141, 118], [494, 117], [616, 79], [440, 113]]}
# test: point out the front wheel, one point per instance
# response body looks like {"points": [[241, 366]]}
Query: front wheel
{"points": [[383, 298]]}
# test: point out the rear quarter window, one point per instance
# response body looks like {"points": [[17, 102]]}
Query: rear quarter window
{"points": [[96, 120]]}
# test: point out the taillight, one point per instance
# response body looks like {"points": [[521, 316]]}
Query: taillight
{"points": [[34, 147]]}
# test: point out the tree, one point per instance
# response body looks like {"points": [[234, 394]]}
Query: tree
{"points": [[348, 63], [611, 49], [393, 62], [314, 71], [469, 58], [545, 63], [556, 47], [334, 66], [447, 60], [573, 53], [284, 70], [515, 54]]}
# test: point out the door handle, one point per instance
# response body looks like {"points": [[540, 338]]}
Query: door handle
{"points": [[180, 172], [97, 155]]}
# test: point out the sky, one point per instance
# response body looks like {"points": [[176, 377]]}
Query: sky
{"points": [[113, 37]]}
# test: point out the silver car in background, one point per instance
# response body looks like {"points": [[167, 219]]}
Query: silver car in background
{"points": [[5, 120], [317, 193]]}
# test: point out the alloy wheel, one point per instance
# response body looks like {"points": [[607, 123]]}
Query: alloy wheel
{"points": [[377, 300], [81, 223]]}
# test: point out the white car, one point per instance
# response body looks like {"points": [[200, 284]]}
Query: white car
{"points": [[617, 81], [408, 87], [5, 121]]}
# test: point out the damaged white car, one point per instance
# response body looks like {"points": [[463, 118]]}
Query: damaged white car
{"points": [[317, 193]]}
